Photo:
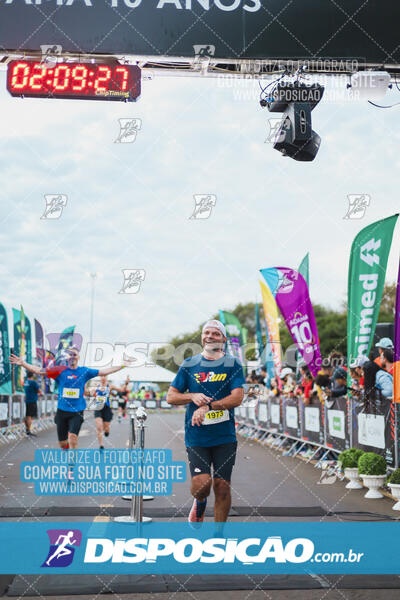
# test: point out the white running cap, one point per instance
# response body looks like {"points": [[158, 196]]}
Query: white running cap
{"points": [[286, 371], [217, 325]]}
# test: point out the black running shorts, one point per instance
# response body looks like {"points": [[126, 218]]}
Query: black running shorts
{"points": [[31, 409], [221, 457], [68, 422], [105, 413]]}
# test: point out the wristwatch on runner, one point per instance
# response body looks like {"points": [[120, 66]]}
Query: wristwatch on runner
{"points": [[209, 405]]}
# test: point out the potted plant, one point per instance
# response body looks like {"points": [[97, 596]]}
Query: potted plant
{"points": [[349, 463], [372, 469], [394, 484]]}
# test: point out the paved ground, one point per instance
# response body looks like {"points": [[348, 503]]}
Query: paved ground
{"points": [[266, 487]]}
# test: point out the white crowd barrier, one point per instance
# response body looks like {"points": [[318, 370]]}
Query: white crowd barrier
{"points": [[12, 414], [343, 424]]}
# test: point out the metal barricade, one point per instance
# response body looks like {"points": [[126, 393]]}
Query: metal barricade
{"points": [[150, 403], [336, 428]]}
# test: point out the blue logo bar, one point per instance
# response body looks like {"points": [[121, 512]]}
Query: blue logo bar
{"points": [[280, 548]]}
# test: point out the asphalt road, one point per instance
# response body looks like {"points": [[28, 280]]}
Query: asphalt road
{"points": [[266, 486]]}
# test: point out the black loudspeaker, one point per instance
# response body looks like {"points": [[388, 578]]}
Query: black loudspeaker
{"points": [[382, 330], [288, 143]]}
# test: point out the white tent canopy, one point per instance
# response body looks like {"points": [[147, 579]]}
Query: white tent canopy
{"points": [[144, 374]]}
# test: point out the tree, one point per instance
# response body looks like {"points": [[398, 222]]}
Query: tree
{"points": [[388, 303]]}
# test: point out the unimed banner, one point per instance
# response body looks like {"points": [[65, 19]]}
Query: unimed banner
{"points": [[223, 28], [367, 269]]}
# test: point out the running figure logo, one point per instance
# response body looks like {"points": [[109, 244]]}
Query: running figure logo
{"points": [[132, 280], [128, 129], [274, 128], [287, 283], [202, 50], [50, 50], [62, 547], [55, 204], [358, 204], [203, 205]]}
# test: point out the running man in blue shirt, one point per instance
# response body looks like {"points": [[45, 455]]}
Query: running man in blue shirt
{"points": [[71, 387], [210, 384]]}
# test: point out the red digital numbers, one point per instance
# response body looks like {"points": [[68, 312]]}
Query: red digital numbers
{"points": [[79, 76], [125, 76], [103, 77], [35, 81], [20, 76], [69, 80]]}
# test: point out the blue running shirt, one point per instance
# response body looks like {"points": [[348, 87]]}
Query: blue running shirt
{"points": [[71, 386], [103, 394], [216, 379], [31, 388]]}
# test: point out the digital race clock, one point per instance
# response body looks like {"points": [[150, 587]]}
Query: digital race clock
{"points": [[92, 81]]}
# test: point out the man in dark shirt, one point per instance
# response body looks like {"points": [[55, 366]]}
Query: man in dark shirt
{"points": [[32, 391], [210, 384]]}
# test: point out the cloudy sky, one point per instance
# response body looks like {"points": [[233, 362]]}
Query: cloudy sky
{"points": [[128, 204]]}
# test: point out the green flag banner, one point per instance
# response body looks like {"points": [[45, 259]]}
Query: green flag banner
{"points": [[235, 333], [22, 345], [368, 261], [304, 269], [5, 367]]}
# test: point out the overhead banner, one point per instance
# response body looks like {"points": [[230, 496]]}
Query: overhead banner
{"points": [[293, 300], [22, 345], [5, 366], [221, 28], [367, 269], [64, 343], [272, 322], [396, 350]]}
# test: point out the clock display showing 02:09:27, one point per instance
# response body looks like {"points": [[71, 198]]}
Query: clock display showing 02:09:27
{"points": [[72, 80]]}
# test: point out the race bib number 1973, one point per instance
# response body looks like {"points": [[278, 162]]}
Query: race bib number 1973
{"points": [[216, 416]]}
